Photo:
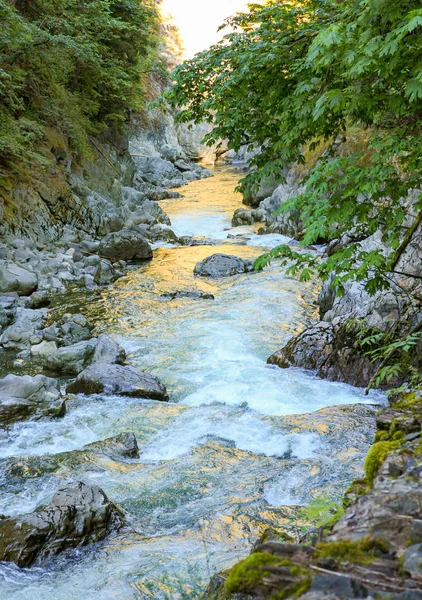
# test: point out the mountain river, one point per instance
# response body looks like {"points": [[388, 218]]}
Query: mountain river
{"points": [[237, 449]]}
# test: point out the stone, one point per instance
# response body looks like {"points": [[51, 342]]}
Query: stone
{"points": [[43, 349], [71, 360], [125, 245], [343, 587], [70, 330], [39, 299], [123, 445], [23, 397], [77, 515], [16, 279], [25, 330], [310, 349], [412, 560], [190, 294], [105, 273], [222, 265], [118, 380]]}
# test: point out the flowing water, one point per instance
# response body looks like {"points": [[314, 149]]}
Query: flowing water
{"points": [[231, 451]]}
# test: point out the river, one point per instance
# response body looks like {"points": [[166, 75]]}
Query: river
{"points": [[234, 448]]}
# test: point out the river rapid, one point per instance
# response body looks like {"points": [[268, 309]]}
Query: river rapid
{"points": [[232, 452]]}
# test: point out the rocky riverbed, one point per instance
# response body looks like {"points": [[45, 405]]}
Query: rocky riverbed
{"points": [[97, 331]]}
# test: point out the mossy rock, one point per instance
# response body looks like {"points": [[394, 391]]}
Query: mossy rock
{"points": [[376, 456], [248, 576], [362, 551]]}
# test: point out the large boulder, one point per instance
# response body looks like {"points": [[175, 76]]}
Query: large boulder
{"points": [[222, 265], [16, 279], [23, 397], [310, 349], [71, 360], [78, 515], [119, 380], [125, 244]]}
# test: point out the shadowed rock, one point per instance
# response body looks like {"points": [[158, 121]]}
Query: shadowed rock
{"points": [[222, 265], [23, 397], [116, 379], [78, 514]]}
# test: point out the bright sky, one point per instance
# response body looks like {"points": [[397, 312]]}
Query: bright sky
{"points": [[198, 20]]}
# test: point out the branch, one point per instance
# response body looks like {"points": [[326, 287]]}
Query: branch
{"points": [[407, 239]]}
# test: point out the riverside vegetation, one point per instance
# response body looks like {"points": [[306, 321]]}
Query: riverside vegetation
{"points": [[320, 102]]}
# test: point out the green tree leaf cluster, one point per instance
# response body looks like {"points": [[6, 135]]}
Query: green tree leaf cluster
{"points": [[75, 65], [297, 75]]}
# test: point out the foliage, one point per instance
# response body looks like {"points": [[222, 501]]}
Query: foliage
{"points": [[294, 75], [76, 65], [321, 512]]}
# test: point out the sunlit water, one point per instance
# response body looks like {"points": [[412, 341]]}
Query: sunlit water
{"points": [[220, 462]]}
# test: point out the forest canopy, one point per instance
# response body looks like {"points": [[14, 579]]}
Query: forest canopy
{"points": [[76, 65], [297, 76]]}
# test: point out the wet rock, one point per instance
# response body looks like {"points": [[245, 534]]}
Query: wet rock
{"points": [[222, 265], [71, 330], [23, 397], [123, 445], [243, 216], [14, 278], [159, 232], [78, 515], [125, 245], [119, 380], [189, 240], [190, 294], [71, 360], [309, 350]]}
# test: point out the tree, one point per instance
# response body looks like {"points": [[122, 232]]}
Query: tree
{"points": [[297, 75]]}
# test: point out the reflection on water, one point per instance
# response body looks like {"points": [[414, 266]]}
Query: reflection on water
{"points": [[218, 463]]}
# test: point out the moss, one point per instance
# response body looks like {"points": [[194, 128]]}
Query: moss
{"points": [[361, 551], [357, 488], [248, 574], [376, 456]]}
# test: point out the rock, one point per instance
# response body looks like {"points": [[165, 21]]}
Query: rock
{"points": [[342, 587], [123, 445], [412, 560], [189, 240], [222, 265], [25, 330], [71, 360], [309, 350], [23, 397], [16, 279], [125, 245], [105, 273], [191, 294], [44, 349], [119, 380], [78, 515], [39, 299], [71, 330]]}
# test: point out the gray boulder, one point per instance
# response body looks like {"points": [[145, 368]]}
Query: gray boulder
{"points": [[123, 445], [106, 273], [222, 265], [16, 279], [23, 397], [125, 244], [78, 515], [25, 330], [71, 360], [119, 380]]}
